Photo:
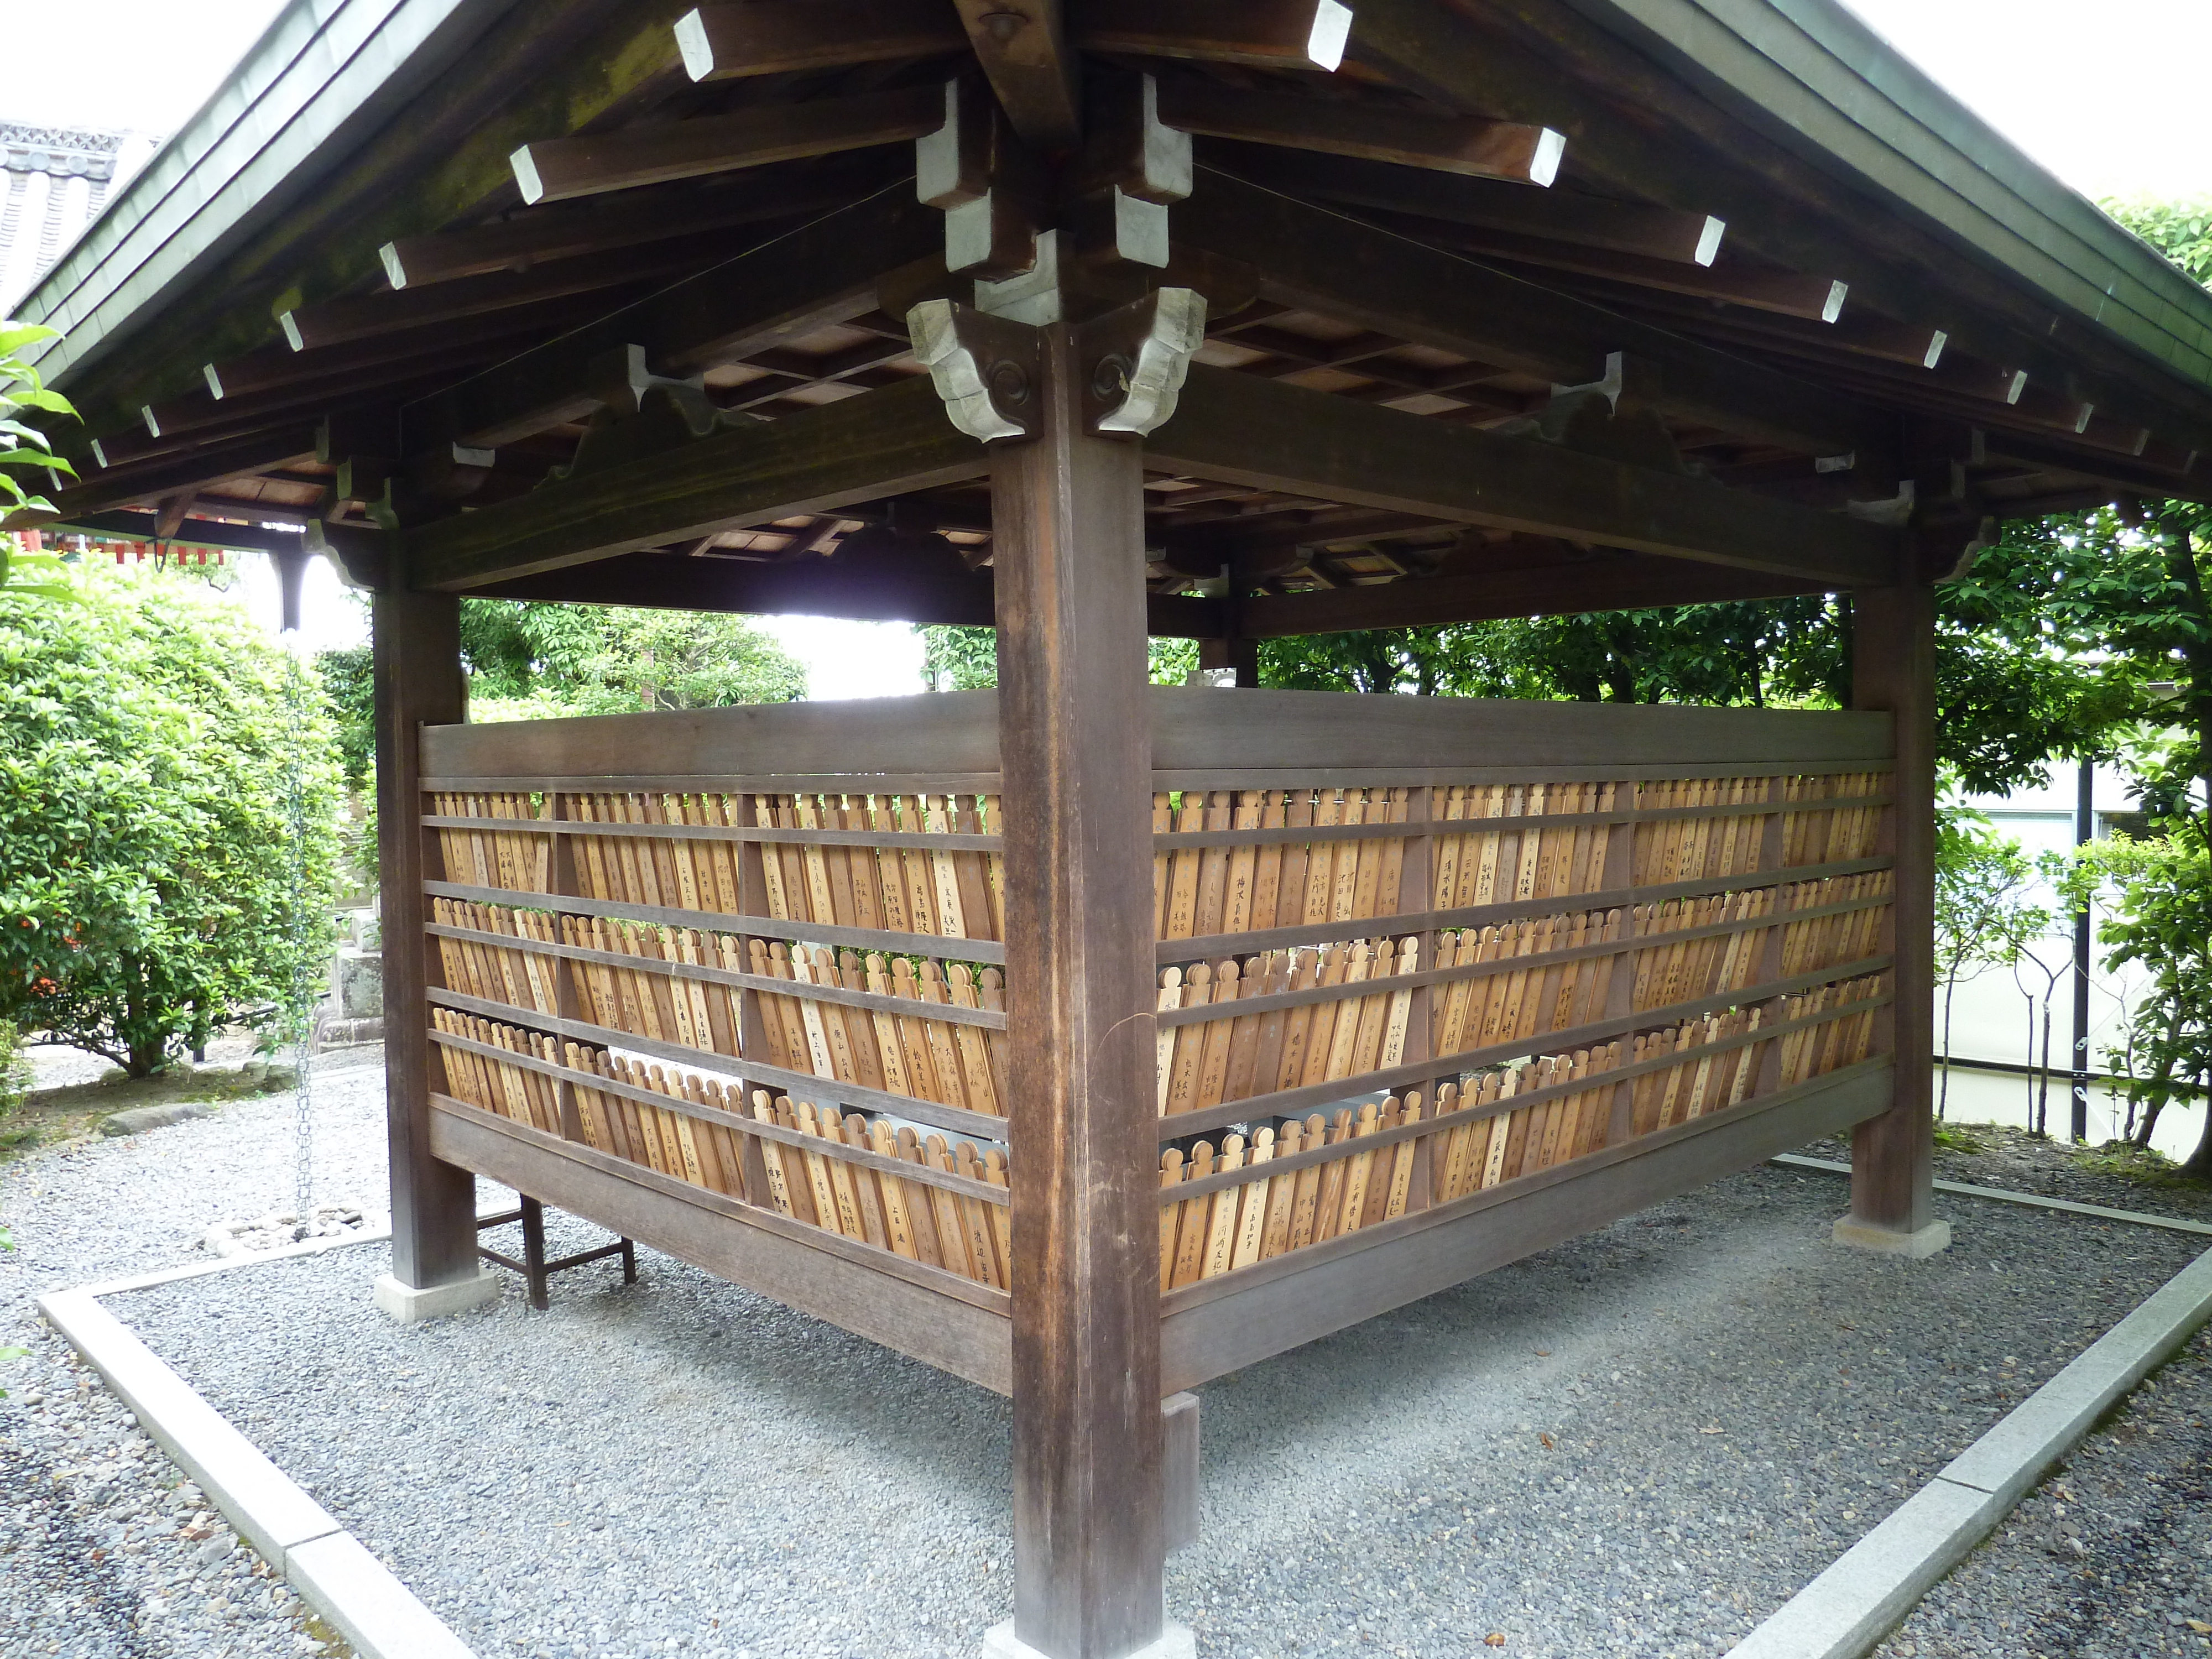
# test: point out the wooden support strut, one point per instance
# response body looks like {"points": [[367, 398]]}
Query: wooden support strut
{"points": [[1893, 1155], [1068, 522], [418, 670]]}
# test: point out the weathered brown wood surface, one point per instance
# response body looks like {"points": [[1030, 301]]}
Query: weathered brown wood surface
{"points": [[417, 649], [717, 1234], [1219, 1326], [1089, 1547], [1894, 668]]}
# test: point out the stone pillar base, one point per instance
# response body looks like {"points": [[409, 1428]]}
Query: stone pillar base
{"points": [[1884, 1241], [408, 1306], [1176, 1642]]}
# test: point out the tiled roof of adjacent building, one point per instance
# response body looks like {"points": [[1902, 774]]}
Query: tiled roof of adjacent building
{"points": [[56, 180]]}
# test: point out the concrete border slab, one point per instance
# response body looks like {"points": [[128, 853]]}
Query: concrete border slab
{"points": [[1867, 1590], [352, 1591]]}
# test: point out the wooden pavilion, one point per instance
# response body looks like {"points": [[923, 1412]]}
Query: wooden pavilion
{"points": [[1223, 319]]}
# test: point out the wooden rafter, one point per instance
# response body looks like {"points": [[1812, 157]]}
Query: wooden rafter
{"points": [[1467, 145], [882, 442], [790, 37], [1260, 433]]}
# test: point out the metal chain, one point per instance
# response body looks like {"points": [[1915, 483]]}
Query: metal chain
{"points": [[300, 1013]]}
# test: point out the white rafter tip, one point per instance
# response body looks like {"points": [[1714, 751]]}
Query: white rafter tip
{"points": [[1551, 149], [525, 176], [1331, 28], [692, 43], [1709, 240]]}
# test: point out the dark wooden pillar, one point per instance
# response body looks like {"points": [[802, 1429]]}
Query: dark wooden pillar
{"points": [[1893, 1155], [1068, 539], [418, 683], [1239, 655]]}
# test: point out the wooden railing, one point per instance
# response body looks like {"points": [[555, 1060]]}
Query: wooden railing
{"points": [[1384, 993], [1527, 964]]}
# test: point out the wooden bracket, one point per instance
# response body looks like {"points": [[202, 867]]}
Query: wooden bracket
{"points": [[1135, 360], [1616, 416], [990, 185], [986, 369]]}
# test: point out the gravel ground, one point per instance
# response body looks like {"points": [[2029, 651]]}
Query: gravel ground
{"points": [[1640, 1442], [2108, 1559], [1637, 1444], [105, 1552]]}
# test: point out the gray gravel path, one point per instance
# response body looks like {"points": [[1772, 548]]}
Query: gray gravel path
{"points": [[1639, 1444], [2110, 1558], [105, 1552]]}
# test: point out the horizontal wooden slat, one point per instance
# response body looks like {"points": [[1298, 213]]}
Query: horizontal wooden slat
{"points": [[1504, 822], [1239, 1007], [1505, 1105], [1334, 1091], [947, 731], [1352, 777], [958, 1120], [719, 783], [989, 950], [838, 1150], [963, 1328], [858, 746], [951, 1014], [1169, 951], [1221, 1325], [950, 842]]}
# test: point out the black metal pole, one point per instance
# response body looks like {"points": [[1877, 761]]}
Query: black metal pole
{"points": [[2085, 830]]}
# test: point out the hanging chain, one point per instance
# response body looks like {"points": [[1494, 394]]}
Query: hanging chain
{"points": [[300, 1011]]}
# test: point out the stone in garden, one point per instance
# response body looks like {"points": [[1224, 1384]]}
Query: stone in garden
{"points": [[139, 1119]]}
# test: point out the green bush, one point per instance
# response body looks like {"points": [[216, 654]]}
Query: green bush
{"points": [[149, 741]]}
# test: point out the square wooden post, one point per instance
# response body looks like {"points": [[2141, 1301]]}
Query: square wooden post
{"points": [[1894, 1156], [417, 667], [1068, 529]]}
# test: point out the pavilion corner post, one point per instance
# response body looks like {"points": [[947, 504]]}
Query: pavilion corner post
{"points": [[1893, 1155], [1075, 758], [418, 683]]}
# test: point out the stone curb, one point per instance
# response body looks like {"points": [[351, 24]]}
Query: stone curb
{"points": [[1867, 1590], [352, 1591]]}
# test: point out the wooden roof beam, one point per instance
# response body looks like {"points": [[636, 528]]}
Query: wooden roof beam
{"points": [[1567, 588], [1812, 299], [1241, 430], [191, 468], [1275, 35], [560, 169], [1780, 203], [1023, 48], [823, 272], [882, 442], [886, 584], [1314, 259], [1556, 215], [535, 238], [1462, 145], [792, 37]]}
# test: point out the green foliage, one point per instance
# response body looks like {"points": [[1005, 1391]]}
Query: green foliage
{"points": [[146, 881], [955, 657], [2182, 231], [348, 681], [27, 465], [532, 661], [1951, 1139], [1983, 915], [2156, 896]]}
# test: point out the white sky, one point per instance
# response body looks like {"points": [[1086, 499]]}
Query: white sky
{"points": [[2108, 94]]}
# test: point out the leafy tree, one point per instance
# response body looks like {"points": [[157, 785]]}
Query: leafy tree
{"points": [[957, 657], [2157, 895], [26, 462], [1982, 916], [530, 660], [149, 741]]}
